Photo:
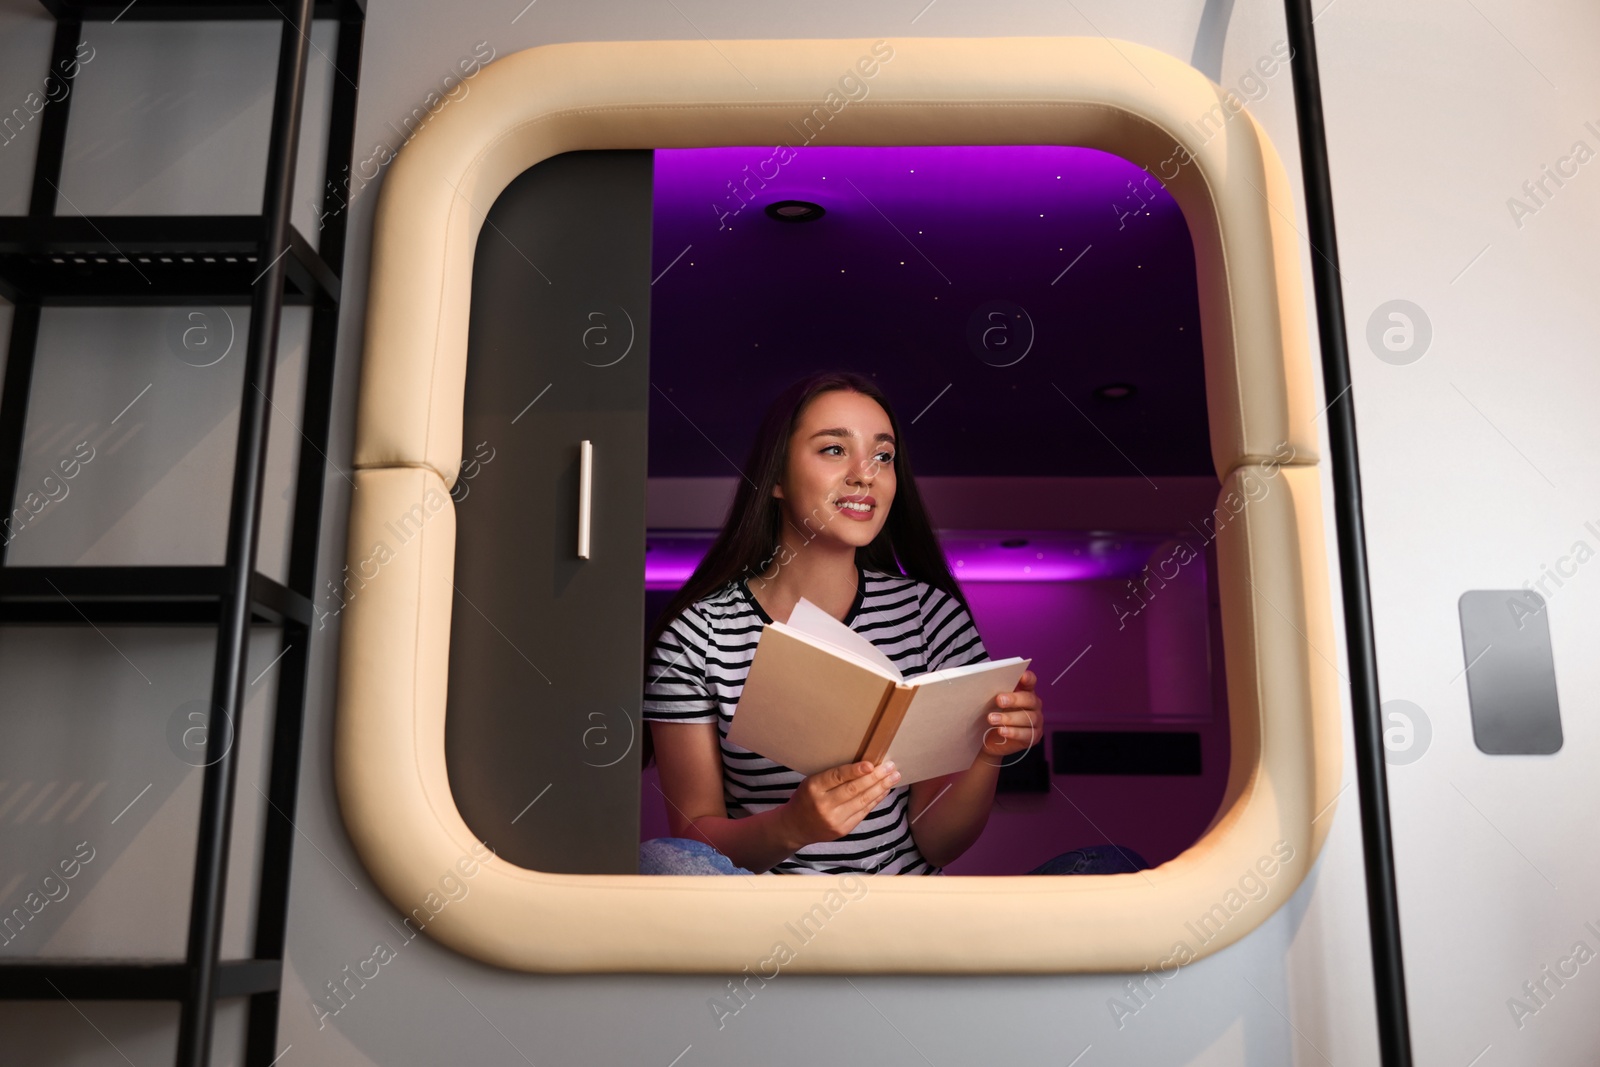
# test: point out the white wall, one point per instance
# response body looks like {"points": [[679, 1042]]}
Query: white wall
{"points": [[1477, 469]]}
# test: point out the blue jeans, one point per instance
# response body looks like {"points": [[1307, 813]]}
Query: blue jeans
{"points": [[684, 855]]}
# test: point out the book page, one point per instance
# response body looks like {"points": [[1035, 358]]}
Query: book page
{"points": [[810, 619], [803, 704], [962, 671], [943, 729]]}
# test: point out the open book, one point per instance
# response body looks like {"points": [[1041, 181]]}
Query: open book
{"points": [[818, 694]]}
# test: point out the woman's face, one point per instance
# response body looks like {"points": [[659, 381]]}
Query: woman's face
{"points": [[839, 480]]}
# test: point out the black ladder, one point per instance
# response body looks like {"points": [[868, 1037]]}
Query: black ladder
{"points": [[175, 260]]}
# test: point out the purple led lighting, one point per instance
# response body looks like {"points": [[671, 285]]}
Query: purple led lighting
{"points": [[992, 566], [1052, 557], [671, 560]]}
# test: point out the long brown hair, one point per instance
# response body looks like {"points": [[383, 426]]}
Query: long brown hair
{"points": [[751, 532]]}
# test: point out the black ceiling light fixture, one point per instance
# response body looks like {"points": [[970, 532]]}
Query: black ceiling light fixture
{"points": [[1115, 391], [794, 211]]}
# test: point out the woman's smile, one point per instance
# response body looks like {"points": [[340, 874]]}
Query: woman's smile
{"points": [[857, 507]]}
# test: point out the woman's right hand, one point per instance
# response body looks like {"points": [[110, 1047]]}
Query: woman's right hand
{"points": [[829, 804]]}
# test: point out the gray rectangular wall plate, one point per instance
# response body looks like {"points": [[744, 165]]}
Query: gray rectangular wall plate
{"points": [[1511, 675]]}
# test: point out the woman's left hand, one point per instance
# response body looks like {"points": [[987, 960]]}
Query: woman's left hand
{"points": [[1018, 723]]}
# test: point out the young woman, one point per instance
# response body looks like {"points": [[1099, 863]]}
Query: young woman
{"points": [[826, 509]]}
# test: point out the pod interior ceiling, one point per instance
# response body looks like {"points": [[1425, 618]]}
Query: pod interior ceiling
{"points": [[1028, 277]]}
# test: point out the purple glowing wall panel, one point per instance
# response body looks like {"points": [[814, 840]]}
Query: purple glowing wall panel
{"points": [[1088, 669], [1100, 665]]}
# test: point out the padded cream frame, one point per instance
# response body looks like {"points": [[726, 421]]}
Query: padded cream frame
{"points": [[1119, 97]]}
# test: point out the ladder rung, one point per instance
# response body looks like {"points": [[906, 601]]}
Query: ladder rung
{"points": [[151, 595], [129, 980], [73, 260]]}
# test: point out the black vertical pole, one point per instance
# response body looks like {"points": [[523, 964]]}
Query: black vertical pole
{"points": [[14, 395], [272, 907], [47, 162], [53, 128], [335, 194], [244, 522], [1383, 911]]}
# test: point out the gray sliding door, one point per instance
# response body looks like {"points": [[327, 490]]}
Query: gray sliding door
{"points": [[546, 657]]}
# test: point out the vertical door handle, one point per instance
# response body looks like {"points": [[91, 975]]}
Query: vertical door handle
{"points": [[585, 494]]}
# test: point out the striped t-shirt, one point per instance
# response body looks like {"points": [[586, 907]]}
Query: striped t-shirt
{"points": [[697, 670]]}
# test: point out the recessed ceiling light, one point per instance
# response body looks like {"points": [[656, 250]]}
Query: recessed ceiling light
{"points": [[1115, 391], [795, 211]]}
